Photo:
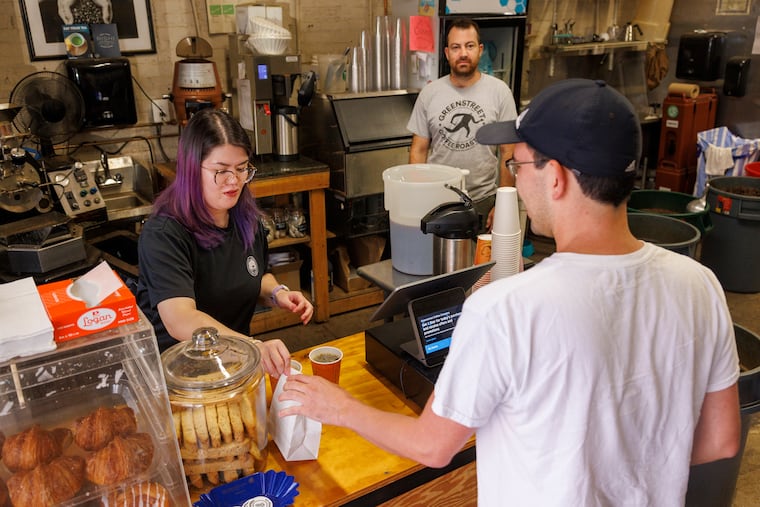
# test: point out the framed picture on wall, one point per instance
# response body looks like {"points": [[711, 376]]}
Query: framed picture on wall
{"points": [[43, 21]]}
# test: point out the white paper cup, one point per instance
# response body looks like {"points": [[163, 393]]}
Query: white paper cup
{"points": [[506, 218]]}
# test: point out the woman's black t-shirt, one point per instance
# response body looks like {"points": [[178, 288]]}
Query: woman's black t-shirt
{"points": [[225, 281]]}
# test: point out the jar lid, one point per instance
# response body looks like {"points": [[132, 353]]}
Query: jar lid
{"points": [[208, 362]]}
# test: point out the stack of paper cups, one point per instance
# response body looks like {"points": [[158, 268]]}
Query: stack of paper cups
{"points": [[483, 255], [506, 237]]}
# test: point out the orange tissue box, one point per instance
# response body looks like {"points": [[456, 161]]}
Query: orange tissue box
{"points": [[72, 318]]}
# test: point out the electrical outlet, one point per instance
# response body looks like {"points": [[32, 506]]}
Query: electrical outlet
{"points": [[166, 112]]}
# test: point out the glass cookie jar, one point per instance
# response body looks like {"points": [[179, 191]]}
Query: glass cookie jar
{"points": [[218, 401]]}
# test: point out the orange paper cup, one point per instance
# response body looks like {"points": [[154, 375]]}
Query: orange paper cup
{"points": [[483, 249], [325, 362], [294, 365]]}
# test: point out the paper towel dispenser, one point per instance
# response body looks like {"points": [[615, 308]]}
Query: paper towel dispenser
{"points": [[700, 55]]}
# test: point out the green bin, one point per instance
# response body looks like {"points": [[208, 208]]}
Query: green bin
{"points": [[671, 204]]}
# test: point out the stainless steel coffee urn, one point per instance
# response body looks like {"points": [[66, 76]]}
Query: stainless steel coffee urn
{"points": [[286, 131], [454, 226]]}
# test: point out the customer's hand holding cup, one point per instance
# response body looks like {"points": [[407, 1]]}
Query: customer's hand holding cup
{"points": [[325, 362]]}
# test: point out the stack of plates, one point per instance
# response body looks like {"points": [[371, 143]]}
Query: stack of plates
{"points": [[262, 489]]}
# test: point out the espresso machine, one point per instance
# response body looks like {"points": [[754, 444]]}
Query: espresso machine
{"points": [[262, 88]]}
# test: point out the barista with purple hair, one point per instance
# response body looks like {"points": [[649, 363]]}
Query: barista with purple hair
{"points": [[203, 253]]}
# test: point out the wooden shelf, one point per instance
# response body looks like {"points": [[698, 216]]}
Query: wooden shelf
{"points": [[596, 48], [340, 302], [288, 241]]}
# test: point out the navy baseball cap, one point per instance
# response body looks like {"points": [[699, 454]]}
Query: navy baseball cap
{"points": [[585, 125]]}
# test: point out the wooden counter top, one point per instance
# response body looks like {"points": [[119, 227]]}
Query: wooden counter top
{"points": [[350, 470]]}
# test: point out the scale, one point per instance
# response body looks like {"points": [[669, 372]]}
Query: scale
{"points": [[196, 80]]}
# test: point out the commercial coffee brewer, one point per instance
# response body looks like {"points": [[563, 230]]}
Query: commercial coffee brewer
{"points": [[264, 99]]}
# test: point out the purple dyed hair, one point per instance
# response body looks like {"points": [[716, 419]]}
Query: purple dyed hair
{"points": [[183, 199]]}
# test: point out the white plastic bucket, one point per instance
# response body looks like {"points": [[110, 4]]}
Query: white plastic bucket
{"points": [[411, 191]]}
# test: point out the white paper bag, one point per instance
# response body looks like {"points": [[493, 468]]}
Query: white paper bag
{"points": [[296, 436]]}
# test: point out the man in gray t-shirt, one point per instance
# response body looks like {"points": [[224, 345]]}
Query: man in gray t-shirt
{"points": [[450, 110]]}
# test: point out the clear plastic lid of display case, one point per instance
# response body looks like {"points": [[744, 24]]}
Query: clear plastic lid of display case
{"points": [[104, 399]]}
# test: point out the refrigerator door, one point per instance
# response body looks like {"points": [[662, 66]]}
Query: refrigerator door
{"points": [[503, 38], [448, 7]]}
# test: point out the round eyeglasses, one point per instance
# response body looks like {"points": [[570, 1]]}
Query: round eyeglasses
{"points": [[243, 174]]}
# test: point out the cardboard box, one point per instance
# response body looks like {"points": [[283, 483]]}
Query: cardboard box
{"points": [[344, 273], [289, 273], [366, 249], [72, 318]]}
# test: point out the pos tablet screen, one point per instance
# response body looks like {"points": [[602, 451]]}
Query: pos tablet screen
{"points": [[433, 319]]}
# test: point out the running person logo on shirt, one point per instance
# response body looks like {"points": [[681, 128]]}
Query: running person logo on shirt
{"points": [[456, 124]]}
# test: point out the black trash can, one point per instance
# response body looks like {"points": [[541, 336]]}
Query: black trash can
{"points": [[732, 247], [670, 233], [714, 484]]}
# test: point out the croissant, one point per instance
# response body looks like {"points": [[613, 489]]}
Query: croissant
{"points": [[143, 494], [120, 459], [34, 446], [95, 430], [48, 484]]}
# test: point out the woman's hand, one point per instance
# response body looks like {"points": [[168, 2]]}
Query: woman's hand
{"points": [[296, 302], [275, 357]]}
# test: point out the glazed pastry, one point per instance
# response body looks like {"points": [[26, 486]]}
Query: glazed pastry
{"points": [[121, 458], [143, 494], [33, 447], [95, 430], [49, 484]]}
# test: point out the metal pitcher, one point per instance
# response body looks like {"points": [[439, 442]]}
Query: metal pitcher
{"points": [[630, 36]]}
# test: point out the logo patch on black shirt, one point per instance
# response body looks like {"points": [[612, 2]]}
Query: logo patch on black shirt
{"points": [[252, 266]]}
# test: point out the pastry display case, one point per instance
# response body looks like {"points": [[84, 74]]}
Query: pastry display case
{"points": [[90, 424]]}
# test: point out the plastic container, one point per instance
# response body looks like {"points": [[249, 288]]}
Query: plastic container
{"points": [[331, 76], [732, 247], [411, 191], [113, 371], [714, 484], [752, 169], [670, 233], [217, 394], [670, 204]]}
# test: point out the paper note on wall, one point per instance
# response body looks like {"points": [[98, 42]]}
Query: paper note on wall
{"points": [[421, 34], [244, 103], [221, 16]]}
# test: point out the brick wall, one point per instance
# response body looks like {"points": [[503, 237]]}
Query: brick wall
{"points": [[324, 26]]}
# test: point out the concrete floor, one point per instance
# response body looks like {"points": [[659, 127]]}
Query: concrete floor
{"points": [[745, 310]]}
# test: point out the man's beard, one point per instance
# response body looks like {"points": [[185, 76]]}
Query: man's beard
{"points": [[464, 73]]}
